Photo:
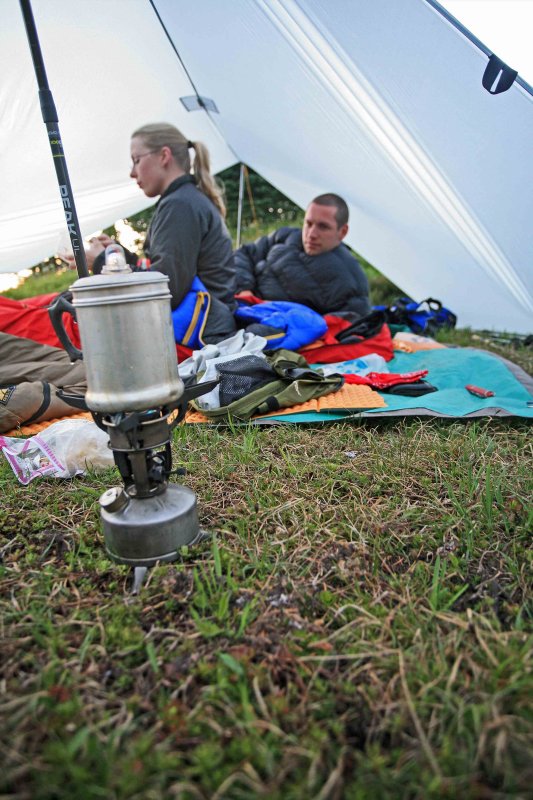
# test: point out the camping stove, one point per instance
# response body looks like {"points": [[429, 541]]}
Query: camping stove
{"points": [[147, 520], [135, 394]]}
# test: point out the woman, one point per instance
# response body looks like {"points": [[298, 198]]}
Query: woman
{"points": [[187, 237]]}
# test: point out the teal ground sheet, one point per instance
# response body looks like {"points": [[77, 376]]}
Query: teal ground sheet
{"points": [[449, 370]]}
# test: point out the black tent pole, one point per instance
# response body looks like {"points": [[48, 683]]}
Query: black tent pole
{"points": [[49, 113]]}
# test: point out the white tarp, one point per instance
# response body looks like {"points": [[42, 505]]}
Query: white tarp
{"points": [[378, 101]]}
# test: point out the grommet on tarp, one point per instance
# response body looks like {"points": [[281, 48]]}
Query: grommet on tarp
{"points": [[498, 77], [194, 102]]}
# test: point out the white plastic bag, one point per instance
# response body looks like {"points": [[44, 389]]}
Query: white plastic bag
{"points": [[371, 362], [62, 450]]}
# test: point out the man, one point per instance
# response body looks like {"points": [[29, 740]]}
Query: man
{"points": [[309, 266]]}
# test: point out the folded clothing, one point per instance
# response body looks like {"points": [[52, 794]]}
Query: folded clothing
{"points": [[241, 343], [202, 366]]}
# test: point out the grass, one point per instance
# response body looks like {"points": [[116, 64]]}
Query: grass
{"points": [[357, 627], [42, 283]]}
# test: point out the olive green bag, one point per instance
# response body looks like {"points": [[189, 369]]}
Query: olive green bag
{"points": [[293, 382]]}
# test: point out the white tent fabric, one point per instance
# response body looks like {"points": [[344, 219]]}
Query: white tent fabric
{"points": [[380, 102]]}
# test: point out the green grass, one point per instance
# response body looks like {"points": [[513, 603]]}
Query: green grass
{"points": [[358, 626], [358, 623], [42, 283]]}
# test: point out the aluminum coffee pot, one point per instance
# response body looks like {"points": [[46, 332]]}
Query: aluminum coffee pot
{"points": [[127, 337]]}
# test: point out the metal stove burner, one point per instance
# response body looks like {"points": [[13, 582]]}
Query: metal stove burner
{"points": [[148, 520]]}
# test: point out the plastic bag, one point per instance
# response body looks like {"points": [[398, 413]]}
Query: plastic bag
{"points": [[371, 362], [62, 450]]}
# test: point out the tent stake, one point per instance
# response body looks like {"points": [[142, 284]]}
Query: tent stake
{"points": [[49, 113]]}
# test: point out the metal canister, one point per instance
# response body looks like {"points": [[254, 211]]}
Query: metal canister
{"points": [[143, 532], [127, 340]]}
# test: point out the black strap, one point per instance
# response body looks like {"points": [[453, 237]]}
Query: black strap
{"points": [[44, 405], [271, 403], [364, 328]]}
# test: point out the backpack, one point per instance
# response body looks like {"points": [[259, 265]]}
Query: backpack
{"points": [[425, 318], [283, 380]]}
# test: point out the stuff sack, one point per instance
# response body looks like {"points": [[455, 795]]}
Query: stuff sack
{"points": [[426, 317]]}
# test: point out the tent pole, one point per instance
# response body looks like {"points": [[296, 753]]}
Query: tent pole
{"points": [[49, 113], [239, 207]]}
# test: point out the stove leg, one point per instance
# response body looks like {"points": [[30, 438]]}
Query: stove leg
{"points": [[139, 574]]}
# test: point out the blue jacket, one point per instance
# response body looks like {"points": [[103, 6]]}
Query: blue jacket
{"points": [[190, 317]]}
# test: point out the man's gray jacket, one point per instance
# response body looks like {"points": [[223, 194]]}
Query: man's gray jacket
{"points": [[276, 267]]}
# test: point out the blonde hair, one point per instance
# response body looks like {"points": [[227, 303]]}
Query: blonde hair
{"points": [[161, 134]]}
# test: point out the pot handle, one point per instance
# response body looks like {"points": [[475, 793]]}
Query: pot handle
{"points": [[55, 310]]}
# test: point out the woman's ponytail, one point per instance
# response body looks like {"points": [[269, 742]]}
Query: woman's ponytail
{"points": [[205, 181]]}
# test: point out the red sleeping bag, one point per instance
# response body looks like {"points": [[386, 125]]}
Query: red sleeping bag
{"points": [[29, 319], [329, 350]]}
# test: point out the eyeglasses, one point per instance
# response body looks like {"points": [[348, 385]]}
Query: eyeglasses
{"points": [[135, 159]]}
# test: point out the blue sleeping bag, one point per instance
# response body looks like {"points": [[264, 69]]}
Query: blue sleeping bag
{"points": [[296, 325]]}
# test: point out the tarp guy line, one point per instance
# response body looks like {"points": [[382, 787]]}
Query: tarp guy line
{"points": [[188, 74]]}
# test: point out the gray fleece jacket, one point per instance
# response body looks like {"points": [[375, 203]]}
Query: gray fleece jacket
{"points": [[188, 237]]}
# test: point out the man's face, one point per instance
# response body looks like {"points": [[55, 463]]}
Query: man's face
{"points": [[320, 232]]}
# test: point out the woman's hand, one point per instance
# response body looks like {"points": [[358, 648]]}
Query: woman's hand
{"points": [[93, 249], [104, 240]]}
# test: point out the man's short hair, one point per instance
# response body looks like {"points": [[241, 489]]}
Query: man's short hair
{"points": [[330, 199]]}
